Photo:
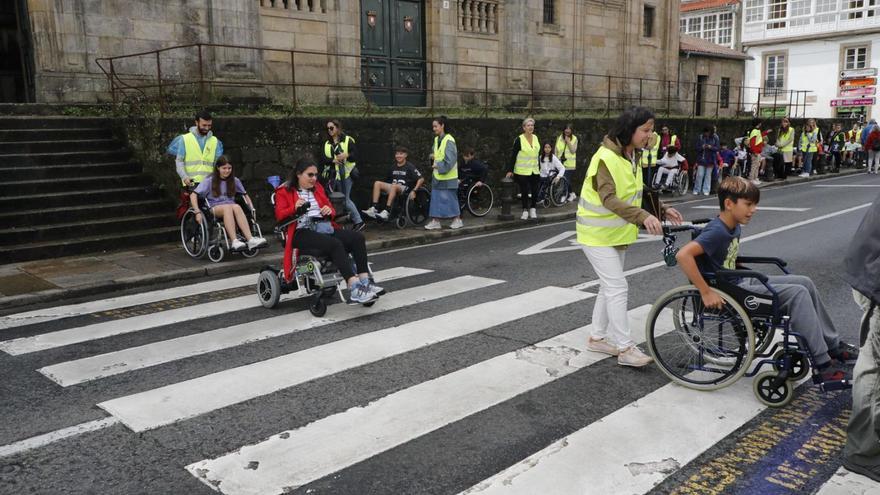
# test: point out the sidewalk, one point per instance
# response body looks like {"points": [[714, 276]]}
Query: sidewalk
{"points": [[41, 281]]}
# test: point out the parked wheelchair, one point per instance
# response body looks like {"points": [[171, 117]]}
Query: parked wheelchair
{"points": [[552, 192], [708, 349], [476, 197], [210, 238]]}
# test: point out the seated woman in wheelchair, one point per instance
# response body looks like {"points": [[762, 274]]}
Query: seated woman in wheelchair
{"points": [[403, 178], [315, 233], [717, 247], [551, 167], [219, 190], [669, 165]]}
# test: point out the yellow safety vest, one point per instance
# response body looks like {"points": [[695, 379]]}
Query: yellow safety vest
{"points": [[197, 162], [784, 136], [759, 138], [570, 161], [527, 158], [328, 152], [440, 153], [806, 145], [597, 225], [673, 141], [649, 156]]}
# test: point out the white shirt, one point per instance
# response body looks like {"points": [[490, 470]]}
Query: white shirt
{"points": [[852, 146], [670, 161], [548, 165], [314, 209]]}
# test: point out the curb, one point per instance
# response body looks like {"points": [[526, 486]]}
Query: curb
{"points": [[7, 304]]}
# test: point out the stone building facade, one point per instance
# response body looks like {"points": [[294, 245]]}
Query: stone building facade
{"points": [[717, 73], [350, 42]]}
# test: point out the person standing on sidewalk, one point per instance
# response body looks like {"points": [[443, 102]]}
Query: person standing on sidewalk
{"points": [[444, 185], [785, 145], [649, 159], [340, 152], [872, 145], [566, 151], [523, 166], [836, 142], [756, 147], [810, 139], [707, 159], [609, 213]]}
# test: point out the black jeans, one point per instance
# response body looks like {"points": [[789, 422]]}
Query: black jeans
{"points": [[528, 184], [336, 246]]}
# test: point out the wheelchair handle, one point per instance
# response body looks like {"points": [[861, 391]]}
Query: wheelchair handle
{"points": [[669, 229], [743, 274], [762, 260], [302, 210]]}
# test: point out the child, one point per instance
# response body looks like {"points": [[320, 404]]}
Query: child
{"points": [[669, 165], [402, 178], [742, 156], [851, 149], [717, 247], [549, 162], [473, 171], [728, 157]]}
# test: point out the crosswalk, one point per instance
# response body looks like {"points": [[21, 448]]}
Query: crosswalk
{"points": [[628, 450]]}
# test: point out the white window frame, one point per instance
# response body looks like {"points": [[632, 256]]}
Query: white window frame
{"points": [[777, 68], [856, 64], [753, 10]]}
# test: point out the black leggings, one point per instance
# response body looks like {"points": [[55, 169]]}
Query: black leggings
{"points": [[336, 246], [528, 184]]}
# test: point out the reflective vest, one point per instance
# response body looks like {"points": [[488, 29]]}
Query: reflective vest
{"points": [[527, 158], [806, 145], [198, 162], [440, 153], [570, 161], [786, 136], [649, 155], [328, 152], [673, 141], [757, 136], [597, 225]]}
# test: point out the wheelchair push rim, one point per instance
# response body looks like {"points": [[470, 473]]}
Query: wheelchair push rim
{"points": [[480, 200], [417, 209], [704, 349], [558, 192], [193, 235]]}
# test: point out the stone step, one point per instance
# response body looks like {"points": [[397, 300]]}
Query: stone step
{"points": [[71, 184], [88, 227], [66, 214], [55, 122], [35, 172], [58, 146], [74, 198], [54, 134], [87, 244], [30, 159]]}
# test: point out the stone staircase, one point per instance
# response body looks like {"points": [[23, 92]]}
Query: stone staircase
{"points": [[67, 186]]}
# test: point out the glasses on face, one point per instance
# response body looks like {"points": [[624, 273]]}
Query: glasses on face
{"points": [[330, 127], [311, 174]]}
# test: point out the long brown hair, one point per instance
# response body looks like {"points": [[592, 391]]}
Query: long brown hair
{"points": [[216, 180]]}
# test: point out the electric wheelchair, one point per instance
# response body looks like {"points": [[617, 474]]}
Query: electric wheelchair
{"points": [[708, 349], [313, 276], [209, 237]]}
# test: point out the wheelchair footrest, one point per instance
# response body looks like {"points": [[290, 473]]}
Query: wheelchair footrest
{"points": [[836, 385]]}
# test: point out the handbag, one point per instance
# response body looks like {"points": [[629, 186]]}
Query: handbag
{"points": [[324, 227]]}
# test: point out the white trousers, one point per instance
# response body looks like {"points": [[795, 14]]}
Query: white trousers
{"points": [[610, 320], [671, 173], [873, 161]]}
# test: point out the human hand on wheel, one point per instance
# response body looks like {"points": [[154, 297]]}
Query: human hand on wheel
{"points": [[412, 195], [509, 175], [653, 225], [556, 179], [712, 300], [199, 217]]}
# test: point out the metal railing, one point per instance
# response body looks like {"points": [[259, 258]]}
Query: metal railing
{"points": [[165, 75]]}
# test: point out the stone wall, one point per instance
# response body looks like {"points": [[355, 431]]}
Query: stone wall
{"points": [[714, 68]]}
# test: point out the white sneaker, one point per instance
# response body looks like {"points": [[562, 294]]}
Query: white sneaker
{"points": [[572, 196], [370, 212], [237, 245], [525, 215], [602, 345], [756, 182], [256, 242], [383, 215], [433, 225], [804, 175], [633, 356], [533, 213], [456, 224]]}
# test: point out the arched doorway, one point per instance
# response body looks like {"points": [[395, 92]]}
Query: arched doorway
{"points": [[393, 52]]}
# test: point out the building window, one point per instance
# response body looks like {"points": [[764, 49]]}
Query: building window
{"points": [[774, 74], [682, 25], [826, 11], [725, 29], [695, 24], [754, 10], [648, 18], [709, 32], [856, 58], [800, 12], [549, 12], [724, 93], [777, 9]]}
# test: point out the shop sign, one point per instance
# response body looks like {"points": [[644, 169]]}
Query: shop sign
{"points": [[852, 102], [857, 83], [856, 92], [857, 73]]}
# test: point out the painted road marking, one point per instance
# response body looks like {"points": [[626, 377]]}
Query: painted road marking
{"points": [[179, 401], [134, 358], [105, 329], [847, 185], [58, 312], [543, 247], [845, 482], [54, 436], [297, 457], [761, 208]]}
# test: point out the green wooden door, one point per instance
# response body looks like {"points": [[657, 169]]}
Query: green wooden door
{"points": [[393, 52]]}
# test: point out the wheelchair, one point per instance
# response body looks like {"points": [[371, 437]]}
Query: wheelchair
{"points": [[408, 211], [313, 276], [209, 237], [708, 349], [477, 199], [553, 194], [680, 183]]}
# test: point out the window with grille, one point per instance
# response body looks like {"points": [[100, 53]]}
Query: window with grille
{"points": [[648, 22], [549, 12], [800, 12], [777, 9], [695, 25], [754, 10], [709, 31], [724, 93], [682, 25], [856, 58], [725, 29], [774, 74], [826, 11]]}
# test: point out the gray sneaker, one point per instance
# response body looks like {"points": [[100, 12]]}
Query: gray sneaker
{"points": [[633, 356], [361, 294]]}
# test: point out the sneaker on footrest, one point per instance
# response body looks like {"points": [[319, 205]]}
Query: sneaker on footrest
{"points": [[237, 245], [845, 353], [370, 212], [360, 293], [256, 243]]}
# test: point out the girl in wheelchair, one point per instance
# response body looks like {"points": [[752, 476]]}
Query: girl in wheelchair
{"points": [[219, 190], [316, 234]]}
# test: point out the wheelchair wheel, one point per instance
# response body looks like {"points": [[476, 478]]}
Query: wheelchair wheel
{"points": [[771, 391], [684, 183], [763, 337], [193, 235], [706, 349], [479, 200], [558, 192], [416, 209], [318, 308], [800, 367], [250, 253], [269, 288], [369, 304], [216, 253], [400, 221]]}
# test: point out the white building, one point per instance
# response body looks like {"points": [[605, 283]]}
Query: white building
{"points": [[831, 47], [716, 21]]}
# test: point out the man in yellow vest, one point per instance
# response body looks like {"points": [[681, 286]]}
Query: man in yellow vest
{"points": [[196, 151], [649, 159], [566, 151]]}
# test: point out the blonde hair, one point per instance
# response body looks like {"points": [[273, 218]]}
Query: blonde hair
{"points": [[527, 120]]}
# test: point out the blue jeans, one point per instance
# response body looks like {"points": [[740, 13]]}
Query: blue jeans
{"points": [[703, 180], [349, 204], [808, 162]]}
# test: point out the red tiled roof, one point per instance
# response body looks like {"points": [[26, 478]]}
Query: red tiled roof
{"points": [[706, 4], [699, 46]]}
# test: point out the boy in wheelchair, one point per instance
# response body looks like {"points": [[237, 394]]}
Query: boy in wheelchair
{"points": [[669, 165], [403, 178], [717, 247]]}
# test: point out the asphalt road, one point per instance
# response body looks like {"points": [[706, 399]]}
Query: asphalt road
{"points": [[391, 372]]}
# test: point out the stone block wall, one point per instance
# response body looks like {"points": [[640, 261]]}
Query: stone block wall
{"points": [[715, 69]]}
